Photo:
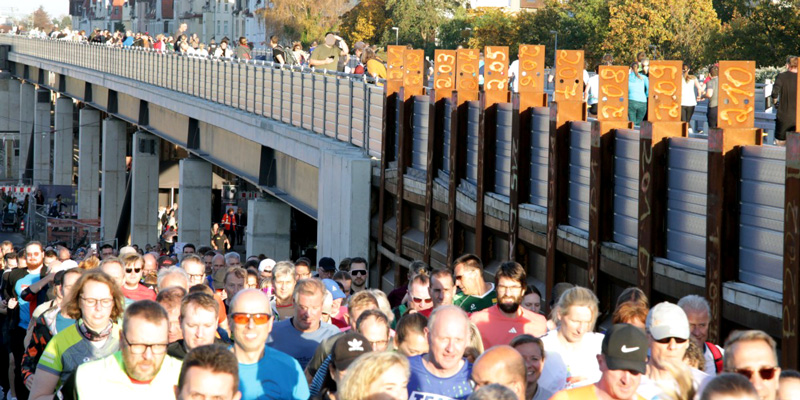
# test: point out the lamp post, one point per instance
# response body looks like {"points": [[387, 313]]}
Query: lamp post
{"points": [[396, 35], [555, 46]]}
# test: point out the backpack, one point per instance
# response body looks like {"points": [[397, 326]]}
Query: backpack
{"points": [[717, 356], [288, 56]]}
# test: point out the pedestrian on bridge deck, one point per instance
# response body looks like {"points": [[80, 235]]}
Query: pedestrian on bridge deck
{"points": [[785, 93]]}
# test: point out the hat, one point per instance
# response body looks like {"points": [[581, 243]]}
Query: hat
{"points": [[625, 348], [334, 288], [667, 320], [65, 265], [266, 264], [219, 278], [327, 264], [126, 250], [347, 348], [165, 261]]}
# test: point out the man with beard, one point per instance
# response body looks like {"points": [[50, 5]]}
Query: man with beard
{"points": [[141, 368], [360, 274], [501, 323]]}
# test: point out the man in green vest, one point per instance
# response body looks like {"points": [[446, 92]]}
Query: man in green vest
{"points": [[475, 293]]}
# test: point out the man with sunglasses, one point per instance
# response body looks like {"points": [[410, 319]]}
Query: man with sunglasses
{"points": [[752, 354], [263, 371], [419, 298], [668, 336], [131, 286], [141, 368], [502, 322], [360, 273]]}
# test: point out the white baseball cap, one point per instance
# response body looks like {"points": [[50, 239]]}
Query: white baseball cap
{"points": [[266, 265], [667, 320]]}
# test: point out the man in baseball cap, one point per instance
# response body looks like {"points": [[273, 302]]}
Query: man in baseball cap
{"points": [[668, 334], [327, 267], [623, 362], [347, 348]]}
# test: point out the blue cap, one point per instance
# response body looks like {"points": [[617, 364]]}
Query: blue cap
{"points": [[334, 288]]}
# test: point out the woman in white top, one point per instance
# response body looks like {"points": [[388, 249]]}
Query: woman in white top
{"points": [[571, 350], [689, 96]]}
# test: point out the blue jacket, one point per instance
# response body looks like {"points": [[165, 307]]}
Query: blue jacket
{"points": [[638, 87]]}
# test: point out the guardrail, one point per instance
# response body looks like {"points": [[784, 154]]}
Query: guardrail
{"points": [[346, 107]]}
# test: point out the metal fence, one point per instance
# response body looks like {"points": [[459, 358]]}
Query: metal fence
{"points": [[343, 106]]}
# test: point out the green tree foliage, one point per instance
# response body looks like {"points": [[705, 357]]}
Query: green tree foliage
{"points": [[306, 20], [365, 22], [767, 33], [456, 31], [418, 20]]}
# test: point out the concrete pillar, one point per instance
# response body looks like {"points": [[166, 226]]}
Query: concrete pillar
{"points": [[27, 102], [89, 162], [115, 146], [144, 189], [41, 138], [194, 209], [343, 204], [9, 124], [63, 142], [269, 228]]}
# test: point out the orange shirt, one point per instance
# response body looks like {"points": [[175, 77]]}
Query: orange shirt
{"points": [[496, 328], [581, 393]]}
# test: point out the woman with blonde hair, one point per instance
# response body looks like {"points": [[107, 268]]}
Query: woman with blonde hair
{"points": [[571, 350], [377, 376]]}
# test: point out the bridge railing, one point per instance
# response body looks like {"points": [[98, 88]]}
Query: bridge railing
{"points": [[345, 107]]}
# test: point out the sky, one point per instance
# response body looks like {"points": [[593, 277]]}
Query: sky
{"points": [[55, 8]]}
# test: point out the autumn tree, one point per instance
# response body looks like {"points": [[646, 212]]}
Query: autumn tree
{"points": [[41, 20], [418, 20], [493, 27], [306, 20], [365, 22]]}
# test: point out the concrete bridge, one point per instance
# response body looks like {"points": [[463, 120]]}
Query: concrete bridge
{"points": [[525, 176], [305, 140]]}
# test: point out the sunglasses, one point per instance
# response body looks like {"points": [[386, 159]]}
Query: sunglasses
{"points": [[667, 339], [244, 319], [358, 272], [129, 270], [765, 373], [419, 301]]}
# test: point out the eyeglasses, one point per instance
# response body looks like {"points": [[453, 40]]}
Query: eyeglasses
{"points": [[358, 272], [667, 339], [244, 319], [379, 344], [420, 301], [196, 277], [140, 348], [765, 373], [129, 270], [105, 303]]}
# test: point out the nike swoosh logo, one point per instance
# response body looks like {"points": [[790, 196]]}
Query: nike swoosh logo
{"points": [[626, 349]]}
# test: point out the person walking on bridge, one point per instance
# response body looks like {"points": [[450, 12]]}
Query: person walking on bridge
{"points": [[785, 93]]}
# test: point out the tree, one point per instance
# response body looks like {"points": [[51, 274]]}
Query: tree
{"points": [[365, 22], [41, 20], [493, 27], [456, 31], [306, 20], [418, 20]]}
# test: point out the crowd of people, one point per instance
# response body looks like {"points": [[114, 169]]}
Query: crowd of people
{"points": [[203, 324]]}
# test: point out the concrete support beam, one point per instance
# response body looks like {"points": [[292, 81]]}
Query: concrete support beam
{"points": [[115, 146], [63, 142], [144, 190], [344, 201], [41, 138], [89, 162], [9, 124], [194, 210], [27, 102], [268, 228]]}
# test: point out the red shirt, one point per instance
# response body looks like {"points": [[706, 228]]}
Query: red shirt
{"points": [[141, 292], [496, 328]]}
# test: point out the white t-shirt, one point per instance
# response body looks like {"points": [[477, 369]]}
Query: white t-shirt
{"points": [[710, 367], [594, 89], [561, 364], [542, 394]]}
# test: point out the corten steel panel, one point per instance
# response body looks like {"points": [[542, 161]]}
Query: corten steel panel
{"points": [[664, 97], [467, 76], [472, 142], [540, 145], [791, 261], [613, 99], [444, 81], [580, 143], [626, 182], [394, 68], [448, 111], [736, 94], [530, 81], [569, 75], [419, 155], [761, 218], [413, 66], [495, 75], [687, 179], [502, 167]]}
